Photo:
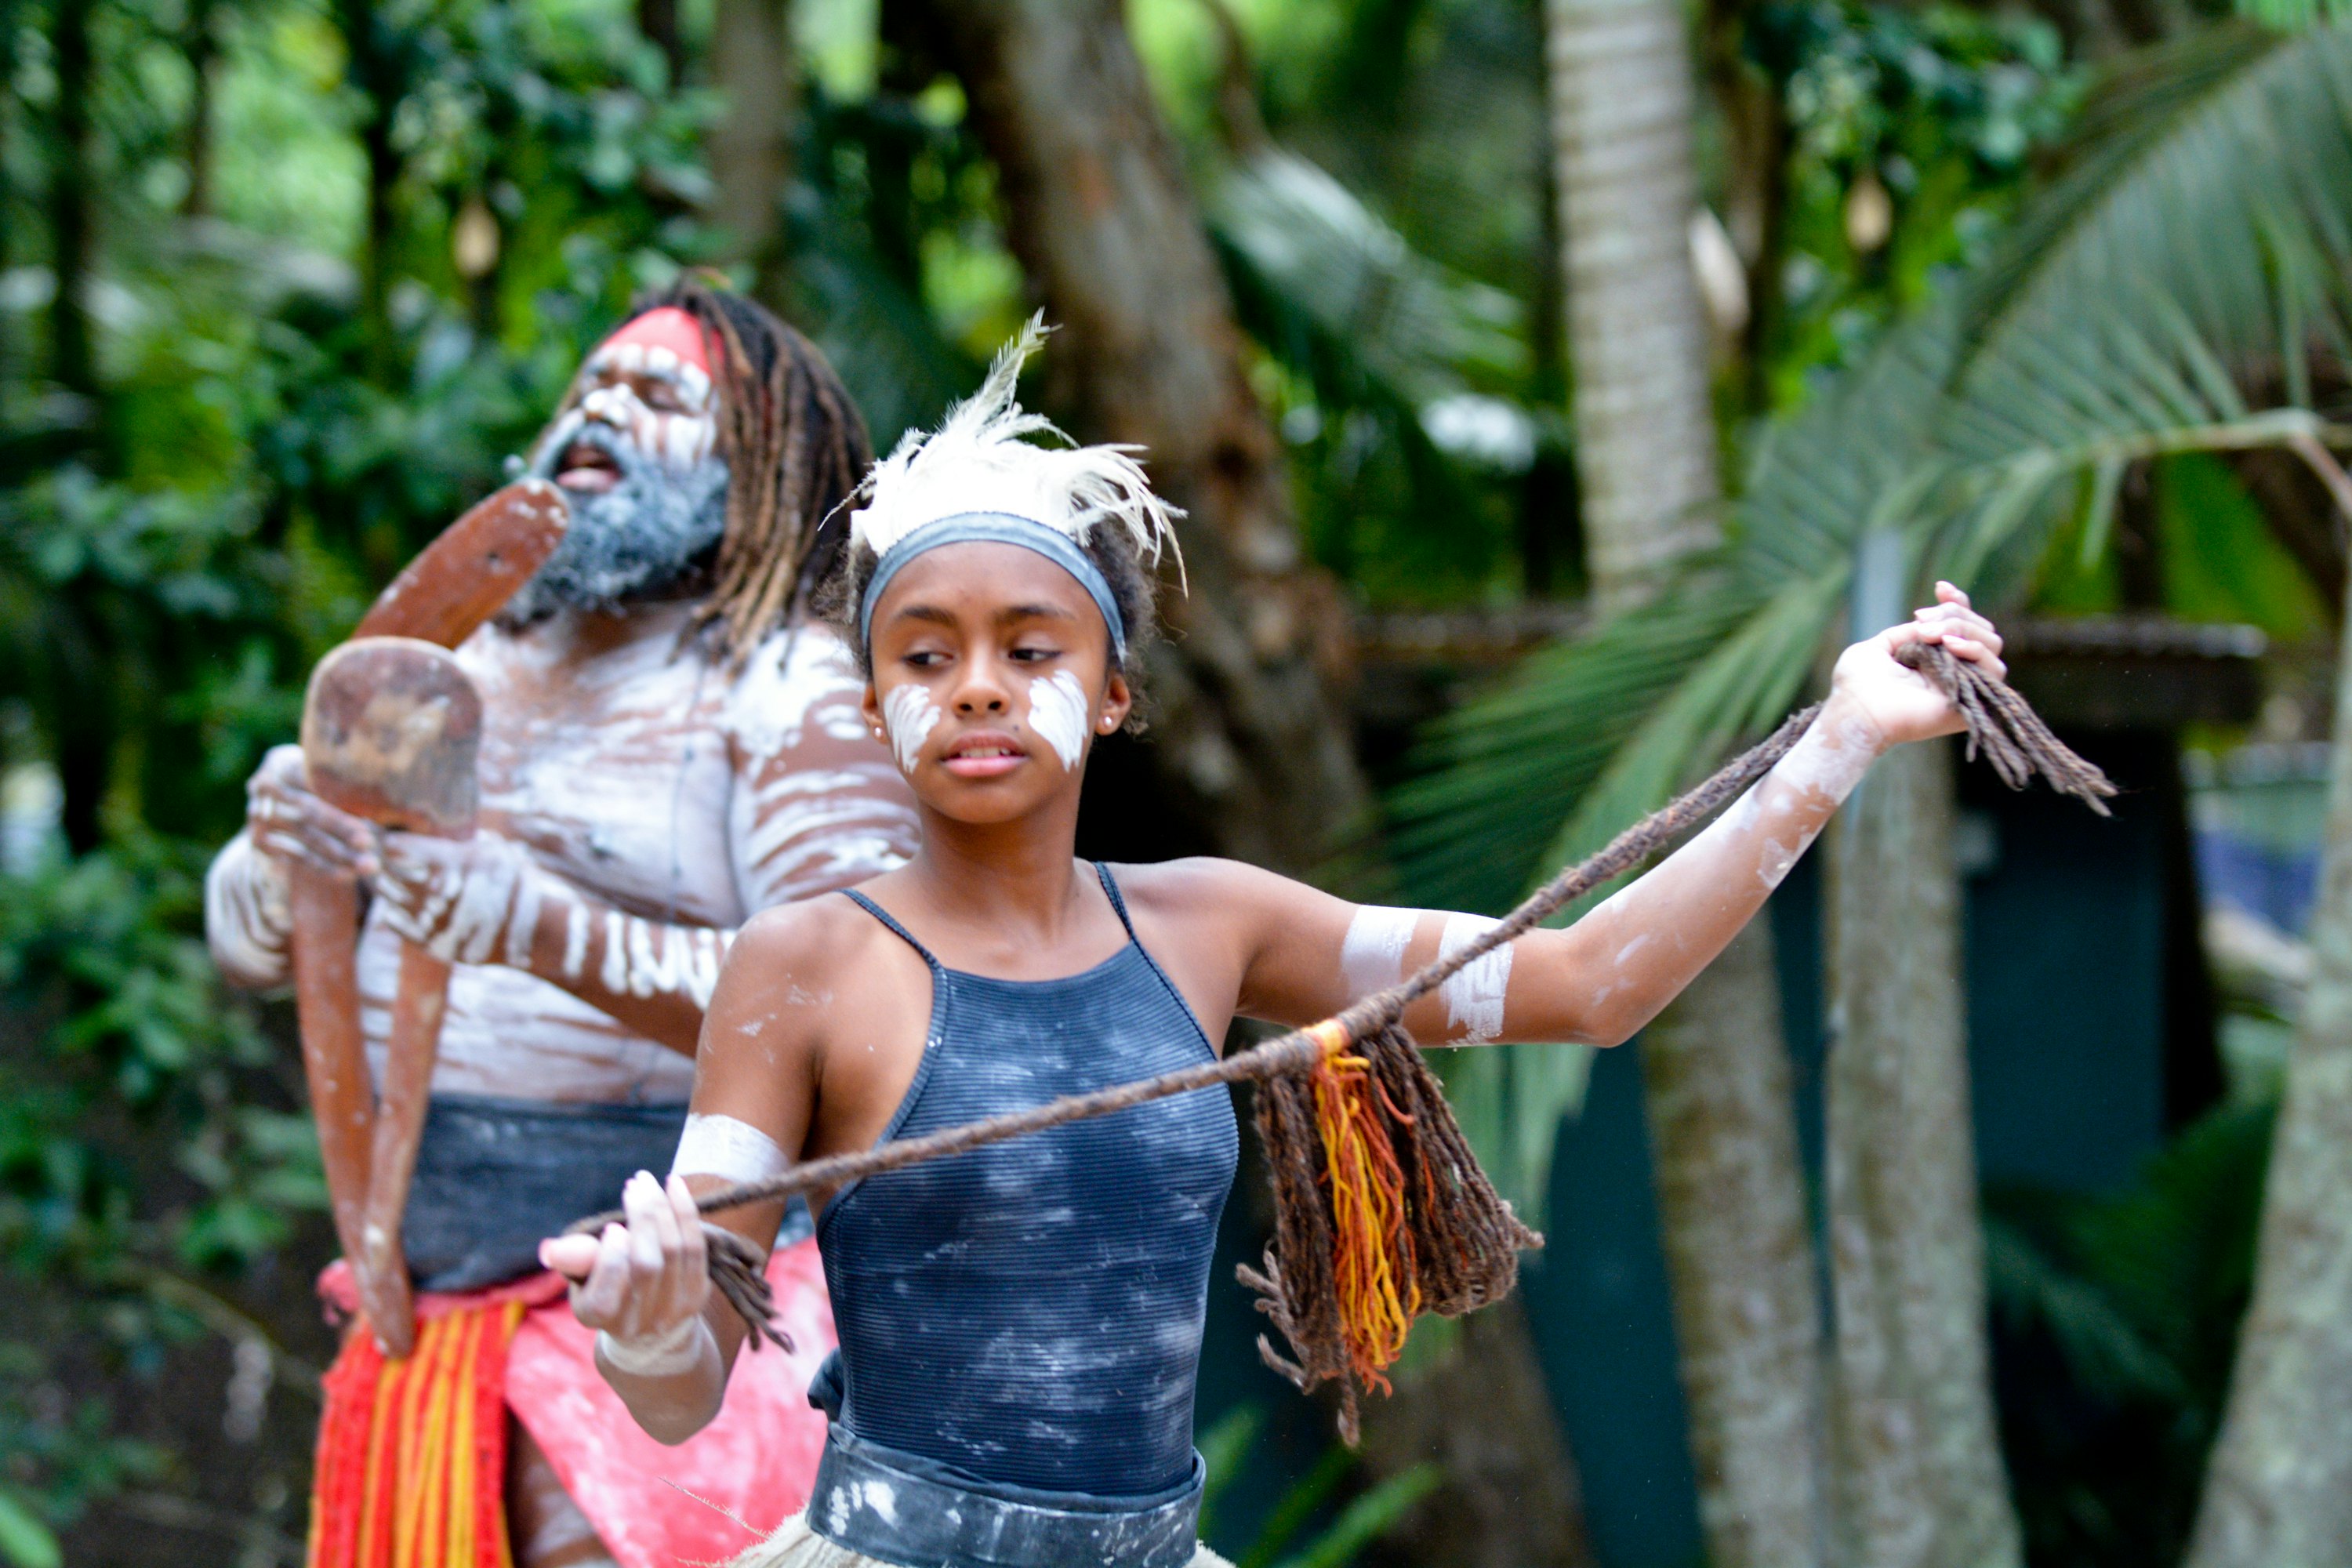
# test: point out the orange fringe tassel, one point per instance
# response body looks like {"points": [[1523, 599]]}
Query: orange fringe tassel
{"points": [[411, 1470], [1374, 1270]]}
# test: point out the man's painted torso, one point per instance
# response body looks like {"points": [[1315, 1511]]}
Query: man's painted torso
{"points": [[688, 795]]}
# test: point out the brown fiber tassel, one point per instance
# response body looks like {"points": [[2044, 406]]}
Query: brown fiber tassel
{"points": [[1348, 1273]]}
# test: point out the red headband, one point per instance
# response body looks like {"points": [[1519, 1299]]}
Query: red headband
{"points": [[665, 327]]}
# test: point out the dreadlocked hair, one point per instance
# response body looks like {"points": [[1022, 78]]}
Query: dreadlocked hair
{"points": [[795, 447]]}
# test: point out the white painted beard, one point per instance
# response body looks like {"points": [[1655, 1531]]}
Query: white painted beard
{"points": [[647, 533]]}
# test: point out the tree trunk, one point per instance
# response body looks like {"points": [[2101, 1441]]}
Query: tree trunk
{"points": [[1483, 1413], [204, 54], [1620, 115], [1919, 1480], [1716, 1071], [657, 22], [374, 76], [71, 362], [751, 147], [2278, 1490], [1251, 744], [1740, 1251]]}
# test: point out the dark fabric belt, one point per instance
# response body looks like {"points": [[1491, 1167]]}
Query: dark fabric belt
{"points": [[906, 1509], [495, 1178]]}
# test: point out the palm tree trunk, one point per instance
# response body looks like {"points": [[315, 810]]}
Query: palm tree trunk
{"points": [[1715, 1067], [1621, 93], [1740, 1251], [1482, 1412], [751, 148], [1252, 745], [1918, 1475], [2278, 1489]]}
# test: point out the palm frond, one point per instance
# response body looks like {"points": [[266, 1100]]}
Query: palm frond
{"points": [[2166, 293], [1420, 332]]}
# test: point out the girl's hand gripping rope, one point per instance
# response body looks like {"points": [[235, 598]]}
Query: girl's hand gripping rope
{"points": [[642, 1285]]}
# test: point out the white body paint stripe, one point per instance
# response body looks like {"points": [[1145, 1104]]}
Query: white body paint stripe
{"points": [[1372, 957], [722, 1146], [1474, 998]]}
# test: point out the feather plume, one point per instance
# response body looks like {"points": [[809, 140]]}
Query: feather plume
{"points": [[979, 459]]}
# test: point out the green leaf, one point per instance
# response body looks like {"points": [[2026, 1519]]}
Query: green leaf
{"points": [[25, 1540], [1365, 1519]]}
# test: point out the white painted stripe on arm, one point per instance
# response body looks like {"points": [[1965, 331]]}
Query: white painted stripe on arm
{"points": [[1475, 996]]}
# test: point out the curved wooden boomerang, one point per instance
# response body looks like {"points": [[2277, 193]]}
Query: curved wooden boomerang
{"points": [[390, 729]]}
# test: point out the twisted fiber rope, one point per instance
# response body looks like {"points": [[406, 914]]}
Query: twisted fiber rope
{"points": [[1463, 1239]]}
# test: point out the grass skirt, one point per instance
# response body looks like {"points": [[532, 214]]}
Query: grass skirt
{"points": [[795, 1545]]}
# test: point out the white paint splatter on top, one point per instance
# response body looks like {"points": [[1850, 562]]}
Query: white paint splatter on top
{"points": [[909, 716], [1059, 712]]}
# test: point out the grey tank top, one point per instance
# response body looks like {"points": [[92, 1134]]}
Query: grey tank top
{"points": [[1029, 1314]]}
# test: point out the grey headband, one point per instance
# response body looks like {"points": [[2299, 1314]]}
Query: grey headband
{"points": [[994, 528]]}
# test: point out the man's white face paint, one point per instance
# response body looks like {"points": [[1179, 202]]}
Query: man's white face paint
{"points": [[909, 715], [1474, 997], [1372, 957], [1058, 710], [677, 439]]}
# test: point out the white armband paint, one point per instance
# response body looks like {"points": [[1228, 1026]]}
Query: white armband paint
{"points": [[676, 1348], [722, 1146], [1474, 997], [1372, 957]]}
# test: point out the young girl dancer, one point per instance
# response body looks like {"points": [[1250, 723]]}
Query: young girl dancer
{"points": [[1021, 1324]]}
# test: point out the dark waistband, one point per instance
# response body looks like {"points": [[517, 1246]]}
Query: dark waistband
{"points": [[495, 1176], [906, 1509]]}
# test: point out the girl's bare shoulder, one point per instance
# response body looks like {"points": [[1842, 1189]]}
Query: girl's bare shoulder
{"points": [[806, 953], [1206, 887]]}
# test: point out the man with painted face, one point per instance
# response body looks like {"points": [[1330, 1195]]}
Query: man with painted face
{"points": [[669, 745]]}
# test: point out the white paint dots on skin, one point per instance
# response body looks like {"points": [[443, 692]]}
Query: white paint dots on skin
{"points": [[1059, 712], [1475, 996], [1372, 957], [908, 717], [1830, 764]]}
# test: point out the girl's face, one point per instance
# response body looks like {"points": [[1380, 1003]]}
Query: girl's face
{"points": [[992, 677]]}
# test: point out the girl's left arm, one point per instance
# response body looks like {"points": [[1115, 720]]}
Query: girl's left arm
{"points": [[1600, 980]]}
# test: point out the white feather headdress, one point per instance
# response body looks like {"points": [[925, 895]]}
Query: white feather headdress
{"points": [[977, 461]]}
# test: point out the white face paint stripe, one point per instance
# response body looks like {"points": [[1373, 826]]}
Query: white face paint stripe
{"points": [[1372, 957], [1058, 711], [721, 1146], [908, 717], [1474, 998]]}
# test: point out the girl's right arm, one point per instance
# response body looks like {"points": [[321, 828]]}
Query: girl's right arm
{"points": [[665, 1341]]}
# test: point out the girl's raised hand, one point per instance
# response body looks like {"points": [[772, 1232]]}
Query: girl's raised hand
{"points": [[1903, 704]]}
